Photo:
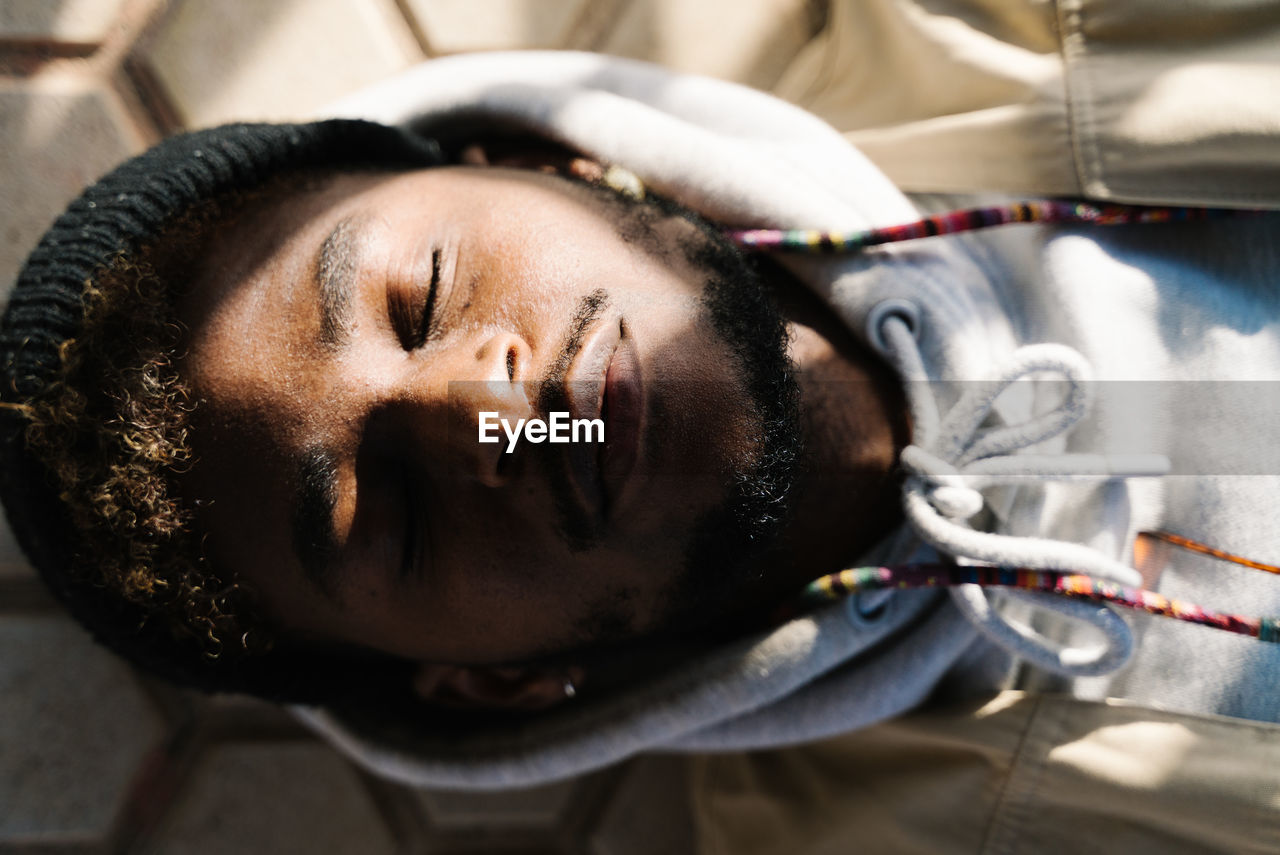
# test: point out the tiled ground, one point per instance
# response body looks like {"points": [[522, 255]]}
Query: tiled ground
{"points": [[94, 758]]}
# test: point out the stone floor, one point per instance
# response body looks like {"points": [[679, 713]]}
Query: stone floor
{"points": [[95, 758]]}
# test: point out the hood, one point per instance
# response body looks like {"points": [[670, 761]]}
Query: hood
{"points": [[744, 159]]}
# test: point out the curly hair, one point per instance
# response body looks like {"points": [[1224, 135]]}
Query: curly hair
{"points": [[112, 429], [95, 416]]}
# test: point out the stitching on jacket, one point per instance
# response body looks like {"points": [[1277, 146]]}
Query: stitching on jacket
{"points": [[1006, 817], [1080, 118]]}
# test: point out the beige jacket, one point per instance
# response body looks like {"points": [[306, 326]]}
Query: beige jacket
{"points": [[1156, 101], [1016, 774]]}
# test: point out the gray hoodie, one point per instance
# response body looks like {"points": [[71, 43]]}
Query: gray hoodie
{"points": [[1054, 376]]}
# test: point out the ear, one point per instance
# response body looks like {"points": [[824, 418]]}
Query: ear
{"points": [[493, 687]]}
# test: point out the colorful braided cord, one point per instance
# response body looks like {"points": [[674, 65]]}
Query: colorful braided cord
{"points": [[969, 219], [838, 585]]}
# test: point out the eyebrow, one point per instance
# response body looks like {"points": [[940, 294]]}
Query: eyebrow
{"points": [[334, 272], [315, 498]]}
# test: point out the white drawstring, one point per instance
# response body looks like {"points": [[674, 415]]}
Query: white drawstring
{"points": [[952, 457]]}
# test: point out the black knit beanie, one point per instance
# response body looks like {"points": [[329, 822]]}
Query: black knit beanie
{"points": [[120, 214]]}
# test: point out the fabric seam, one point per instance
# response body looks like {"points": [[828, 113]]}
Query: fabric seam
{"points": [[1012, 793], [1077, 114]]}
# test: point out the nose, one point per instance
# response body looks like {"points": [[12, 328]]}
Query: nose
{"points": [[447, 395]]}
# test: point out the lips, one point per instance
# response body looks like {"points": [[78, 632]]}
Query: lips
{"points": [[622, 409], [584, 392], [604, 383]]}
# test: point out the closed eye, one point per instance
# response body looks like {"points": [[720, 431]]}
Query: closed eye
{"points": [[412, 310]]}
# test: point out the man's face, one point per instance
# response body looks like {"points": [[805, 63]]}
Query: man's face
{"points": [[343, 343]]}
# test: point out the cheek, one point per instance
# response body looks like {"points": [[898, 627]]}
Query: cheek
{"points": [[485, 553], [701, 422], [535, 281], [511, 587]]}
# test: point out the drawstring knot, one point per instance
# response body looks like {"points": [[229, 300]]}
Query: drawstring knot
{"points": [[957, 454], [945, 486]]}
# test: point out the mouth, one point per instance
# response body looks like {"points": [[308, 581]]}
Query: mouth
{"points": [[605, 383], [585, 392], [622, 408]]}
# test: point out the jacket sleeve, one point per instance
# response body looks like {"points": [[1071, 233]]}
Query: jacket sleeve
{"points": [[1118, 100]]}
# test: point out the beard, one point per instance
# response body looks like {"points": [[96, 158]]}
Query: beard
{"points": [[728, 548], [731, 545]]}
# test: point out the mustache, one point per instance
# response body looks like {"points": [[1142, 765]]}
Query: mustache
{"points": [[579, 532], [551, 390]]}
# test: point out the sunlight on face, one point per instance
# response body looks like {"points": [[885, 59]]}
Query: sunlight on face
{"points": [[343, 343]]}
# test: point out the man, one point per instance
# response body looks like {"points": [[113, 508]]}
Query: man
{"points": [[339, 333], [396, 309]]}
